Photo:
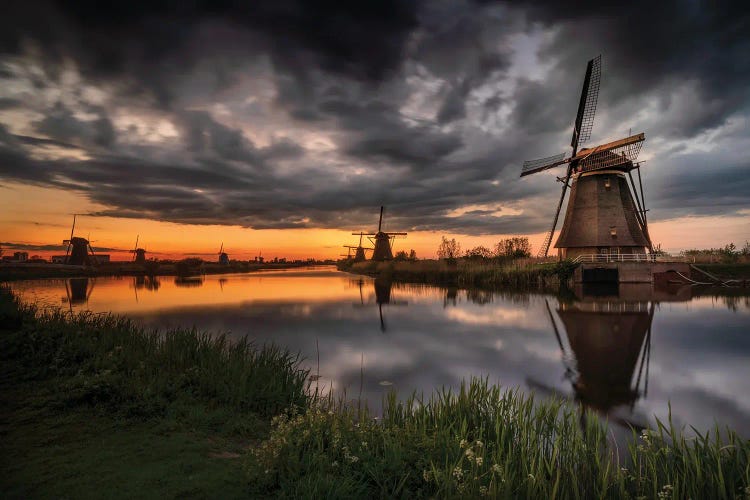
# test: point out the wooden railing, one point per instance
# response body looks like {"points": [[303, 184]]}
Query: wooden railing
{"points": [[627, 257]]}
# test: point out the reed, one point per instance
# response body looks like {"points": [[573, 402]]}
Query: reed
{"points": [[487, 273], [485, 441], [107, 360]]}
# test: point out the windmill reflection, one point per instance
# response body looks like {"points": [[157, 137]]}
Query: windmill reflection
{"points": [[78, 291], [150, 283], [606, 350], [383, 289]]}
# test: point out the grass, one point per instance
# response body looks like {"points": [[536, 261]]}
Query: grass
{"points": [[484, 441], [93, 405], [484, 274]]}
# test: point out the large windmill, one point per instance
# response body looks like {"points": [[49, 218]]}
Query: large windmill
{"points": [[359, 250], [139, 254], [381, 240], [602, 216], [79, 251]]}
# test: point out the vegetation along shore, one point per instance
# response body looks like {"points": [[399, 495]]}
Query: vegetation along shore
{"points": [[93, 404]]}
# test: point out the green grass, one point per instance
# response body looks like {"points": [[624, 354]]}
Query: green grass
{"points": [[93, 405], [483, 441]]}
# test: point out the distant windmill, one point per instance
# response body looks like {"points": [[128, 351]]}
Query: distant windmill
{"points": [[602, 216], [139, 254], [79, 251], [359, 250], [382, 241], [223, 257]]}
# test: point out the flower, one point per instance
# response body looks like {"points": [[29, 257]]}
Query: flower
{"points": [[335, 463], [463, 443], [458, 472], [496, 468], [479, 444], [426, 475], [483, 491], [480, 460]]}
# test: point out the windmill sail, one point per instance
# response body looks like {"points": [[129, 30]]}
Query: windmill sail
{"points": [[534, 166], [587, 105]]}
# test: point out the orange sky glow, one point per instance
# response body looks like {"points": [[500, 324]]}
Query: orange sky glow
{"points": [[43, 216]]}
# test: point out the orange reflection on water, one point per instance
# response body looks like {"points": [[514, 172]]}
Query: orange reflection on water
{"points": [[138, 294]]}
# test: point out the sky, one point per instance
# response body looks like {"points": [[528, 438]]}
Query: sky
{"points": [[278, 128]]}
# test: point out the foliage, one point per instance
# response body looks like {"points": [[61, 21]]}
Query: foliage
{"points": [[514, 248], [108, 361], [483, 441], [728, 254], [478, 253], [449, 249]]}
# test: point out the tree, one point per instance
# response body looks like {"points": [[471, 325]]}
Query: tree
{"points": [[513, 248], [478, 253], [412, 254], [400, 255], [449, 249]]}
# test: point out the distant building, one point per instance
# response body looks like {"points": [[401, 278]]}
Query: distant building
{"points": [[20, 256], [100, 258], [57, 259]]}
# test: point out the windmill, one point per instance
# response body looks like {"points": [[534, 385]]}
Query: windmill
{"points": [[79, 251], [223, 257], [381, 240], [139, 254], [359, 250], [602, 216]]}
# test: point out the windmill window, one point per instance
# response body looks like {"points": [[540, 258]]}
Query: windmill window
{"points": [[607, 184], [613, 231]]}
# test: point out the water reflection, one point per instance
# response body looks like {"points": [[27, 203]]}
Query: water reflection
{"points": [[625, 352], [189, 281], [77, 291], [382, 288]]}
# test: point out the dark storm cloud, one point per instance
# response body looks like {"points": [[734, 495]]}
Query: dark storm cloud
{"points": [[422, 105]]}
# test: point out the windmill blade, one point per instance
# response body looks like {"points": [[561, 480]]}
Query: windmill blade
{"points": [[611, 154], [222, 248], [380, 222], [548, 239], [70, 240], [587, 105], [540, 164]]}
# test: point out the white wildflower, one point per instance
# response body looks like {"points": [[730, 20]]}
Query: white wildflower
{"points": [[496, 468], [463, 443], [479, 444], [483, 491], [480, 460], [426, 475]]}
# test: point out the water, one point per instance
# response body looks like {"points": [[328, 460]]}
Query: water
{"points": [[626, 353]]}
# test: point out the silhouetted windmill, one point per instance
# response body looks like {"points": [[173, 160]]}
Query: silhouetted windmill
{"points": [[381, 240], [359, 250], [602, 216], [79, 251], [223, 257], [139, 254]]}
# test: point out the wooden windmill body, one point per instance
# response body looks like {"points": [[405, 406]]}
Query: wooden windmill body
{"points": [[603, 215], [382, 241], [79, 251], [223, 256], [139, 254], [360, 252]]}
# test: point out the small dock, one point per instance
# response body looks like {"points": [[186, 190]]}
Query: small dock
{"points": [[631, 268]]}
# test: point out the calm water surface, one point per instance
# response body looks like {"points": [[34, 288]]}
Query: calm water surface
{"points": [[626, 353]]}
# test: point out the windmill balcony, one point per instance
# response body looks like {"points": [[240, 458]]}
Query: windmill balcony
{"points": [[626, 257]]}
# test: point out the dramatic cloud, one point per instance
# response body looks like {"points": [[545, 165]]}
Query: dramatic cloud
{"points": [[290, 114]]}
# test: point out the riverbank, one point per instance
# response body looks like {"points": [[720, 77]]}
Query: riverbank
{"points": [[93, 406], [24, 271], [525, 274]]}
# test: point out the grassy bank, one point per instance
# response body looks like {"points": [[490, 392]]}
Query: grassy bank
{"points": [[519, 274], [94, 406]]}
